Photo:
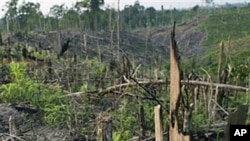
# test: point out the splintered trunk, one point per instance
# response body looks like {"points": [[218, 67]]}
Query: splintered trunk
{"points": [[175, 93], [220, 61], [158, 124], [222, 75], [228, 60]]}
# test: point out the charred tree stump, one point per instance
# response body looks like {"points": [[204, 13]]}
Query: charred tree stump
{"points": [[235, 119], [141, 120]]}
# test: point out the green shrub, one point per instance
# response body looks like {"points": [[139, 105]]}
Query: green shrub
{"points": [[25, 90]]}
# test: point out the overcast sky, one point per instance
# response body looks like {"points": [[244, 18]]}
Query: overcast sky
{"points": [[46, 4]]}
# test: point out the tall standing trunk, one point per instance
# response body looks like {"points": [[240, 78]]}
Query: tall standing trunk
{"points": [[175, 93], [118, 30], [95, 20]]}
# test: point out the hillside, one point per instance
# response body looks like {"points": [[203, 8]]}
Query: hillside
{"points": [[198, 33]]}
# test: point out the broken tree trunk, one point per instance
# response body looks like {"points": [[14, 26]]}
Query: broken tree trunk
{"points": [[175, 92], [1, 39], [158, 124], [141, 119], [238, 117], [222, 76], [104, 128], [85, 48]]}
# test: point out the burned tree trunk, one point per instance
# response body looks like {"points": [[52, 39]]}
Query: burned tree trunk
{"points": [[1, 39], [235, 119], [141, 119], [175, 93]]}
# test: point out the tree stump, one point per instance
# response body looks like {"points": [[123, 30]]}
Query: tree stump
{"points": [[104, 128], [158, 124], [238, 117]]}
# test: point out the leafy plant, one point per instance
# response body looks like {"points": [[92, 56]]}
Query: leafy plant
{"points": [[25, 90]]}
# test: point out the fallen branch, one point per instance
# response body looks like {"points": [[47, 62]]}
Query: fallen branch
{"points": [[102, 92], [219, 85], [220, 107]]}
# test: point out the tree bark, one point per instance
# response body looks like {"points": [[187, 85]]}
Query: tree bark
{"points": [[104, 129], [175, 92], [158, 124]]}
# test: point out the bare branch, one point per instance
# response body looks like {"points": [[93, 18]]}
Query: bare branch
{"points": [[102, 92]]}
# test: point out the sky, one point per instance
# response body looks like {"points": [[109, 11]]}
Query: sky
{"points": [[168, 4]]}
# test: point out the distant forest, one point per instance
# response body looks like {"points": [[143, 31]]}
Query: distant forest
{"points": [[88, 15]]}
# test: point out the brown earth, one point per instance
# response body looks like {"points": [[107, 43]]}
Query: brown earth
{"points": [[189, 39]]}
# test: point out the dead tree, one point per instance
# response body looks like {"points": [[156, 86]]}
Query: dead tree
{"points": [[141, 119], [118, 30], [65, 47], [235, 119], [222, 78], [104, 128], [1, 39], [158, 123], [175, 93]]}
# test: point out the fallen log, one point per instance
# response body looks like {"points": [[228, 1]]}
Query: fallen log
{"points": [[102, 92]]}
